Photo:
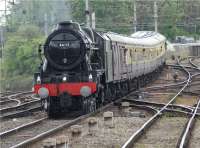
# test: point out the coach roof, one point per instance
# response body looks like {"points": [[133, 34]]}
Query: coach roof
{"points": [[140, 38]]}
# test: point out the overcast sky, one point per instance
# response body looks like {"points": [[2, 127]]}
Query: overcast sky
{"points": [[2, 10], [2, 6]]}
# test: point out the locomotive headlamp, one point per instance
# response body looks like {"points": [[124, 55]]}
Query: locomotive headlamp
{"points": [[90, 77], [64, 79], [38, 80], [85, 91], [43, 92]]}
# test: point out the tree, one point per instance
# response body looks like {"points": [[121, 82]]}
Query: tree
{"points": [[175, 17], [21, 51]]}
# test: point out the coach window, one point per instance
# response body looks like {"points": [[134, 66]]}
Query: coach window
{"points": [[114, 53], [125, 55], [154, 52], [143, 53], [157, 51], [150, 50], [135, 54], [130, 54], [138, 55]]}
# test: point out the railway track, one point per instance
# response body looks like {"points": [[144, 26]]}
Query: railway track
{"points": [[20, 134], [20, 110], [194, 64], [85, 138], [181, 111], [159, 115], [14, 137], [5, 94], [8, 103], [171, 107], [18, 97], [194, 139], [186, 134], [25, 105], [170, 85], [25, 138], [38, 140], [15, 99], [29, 133]]}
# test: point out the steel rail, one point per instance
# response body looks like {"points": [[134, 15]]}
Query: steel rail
{"points": [[21, 113], [14, 108], [164, 93], [130, 142], [190, 67], [20, 110], [187, 131], [27, 142], [145, 107], [193, 64], [7, 101], [10, 97], [174, 84], [16, 129], [17, 95], [186, 108], [168, 85], [170, 110], [5, 94]]}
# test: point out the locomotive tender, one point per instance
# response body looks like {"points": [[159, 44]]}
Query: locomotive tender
{"points": [[83, 69]]}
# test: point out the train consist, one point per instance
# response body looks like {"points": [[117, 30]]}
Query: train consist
{"points": [[82, 69]]}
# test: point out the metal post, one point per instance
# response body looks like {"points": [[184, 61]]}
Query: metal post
{"points": [[195, 28], [1, 55], [1, 48], [1, 37], [156, 16], [135, 16], [5, 11], [87, 13], [93, 20], [45, 25]]}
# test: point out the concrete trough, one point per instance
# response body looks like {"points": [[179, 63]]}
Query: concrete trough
{"points": [[108, 119]]}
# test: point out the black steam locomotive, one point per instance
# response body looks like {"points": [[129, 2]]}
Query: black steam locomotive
{"points": [[82, 69]]}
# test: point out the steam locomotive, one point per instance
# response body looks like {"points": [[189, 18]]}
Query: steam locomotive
{"points": [[82, 69]]}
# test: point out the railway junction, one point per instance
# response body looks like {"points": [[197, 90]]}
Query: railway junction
{"points": [[163, 113]]}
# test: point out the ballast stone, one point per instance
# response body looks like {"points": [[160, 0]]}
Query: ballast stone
{"points": [[125, 104], [108, 114], [49, 143], [76, 129]]}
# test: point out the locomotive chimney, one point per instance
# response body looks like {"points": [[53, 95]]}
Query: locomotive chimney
{"points": [[68, 25]]}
